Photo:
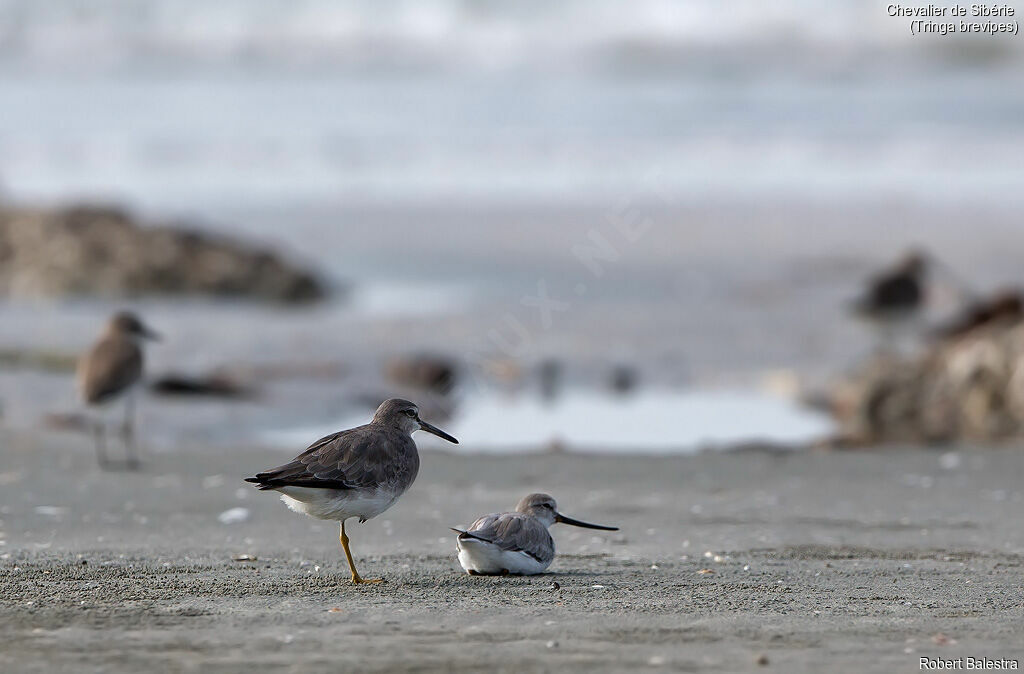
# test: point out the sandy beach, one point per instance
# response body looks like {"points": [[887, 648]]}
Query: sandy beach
{"points": [[749, 561]]}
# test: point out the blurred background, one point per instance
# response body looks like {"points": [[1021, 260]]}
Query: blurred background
{"points": [[580, 225]]}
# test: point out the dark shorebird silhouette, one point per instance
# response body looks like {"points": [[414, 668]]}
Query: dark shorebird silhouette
{"points": [[358, 473], [896, 298], [112, 369], [515, 542], [898, 293], [552, 373]]}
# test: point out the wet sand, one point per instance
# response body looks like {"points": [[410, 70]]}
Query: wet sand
{"points": [[861, 561]]}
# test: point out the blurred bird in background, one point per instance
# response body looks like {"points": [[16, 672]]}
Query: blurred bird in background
{"points": [[110, 370], [896, 300]]}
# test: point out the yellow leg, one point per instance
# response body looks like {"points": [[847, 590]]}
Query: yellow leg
{"points": [[356, 578]]}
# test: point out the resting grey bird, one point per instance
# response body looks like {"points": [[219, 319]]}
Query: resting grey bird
{"points": [[112, 368], [516, 542], [358, 473]]}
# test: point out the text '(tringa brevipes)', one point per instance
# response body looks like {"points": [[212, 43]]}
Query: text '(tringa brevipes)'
{"points": [[516, 542], [112, 368], [359, 473]]}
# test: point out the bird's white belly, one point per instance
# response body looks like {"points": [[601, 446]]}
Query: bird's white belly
{"points": [[487, 558], [337, 504]]}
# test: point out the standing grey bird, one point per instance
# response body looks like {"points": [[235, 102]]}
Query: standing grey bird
{"points": [[112, 368], [359, 473], [516, 542]]}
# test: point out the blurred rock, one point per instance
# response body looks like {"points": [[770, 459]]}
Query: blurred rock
{"points": [[1004, 307], [624, 379], [97, 251], [504, 370], [213, 385], [423, 371], [967, 388]]}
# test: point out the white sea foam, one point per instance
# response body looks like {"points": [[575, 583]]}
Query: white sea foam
{"points": [[454, 33], [169, 103]]}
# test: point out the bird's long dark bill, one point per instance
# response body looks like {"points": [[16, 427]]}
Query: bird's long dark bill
{"points": [[152, 335], [586, 525], [424, 426]]}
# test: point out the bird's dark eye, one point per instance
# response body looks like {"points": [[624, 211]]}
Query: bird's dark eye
{"points": [[410, 413]]}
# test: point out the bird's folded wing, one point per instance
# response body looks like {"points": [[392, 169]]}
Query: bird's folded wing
{"points": [[344, 460], [470, 534], [308, 469], [515, 532], [110, 367], [295, 474]]}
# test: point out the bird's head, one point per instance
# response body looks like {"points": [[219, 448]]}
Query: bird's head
{"points": [[544, 508], [128, 324], [405, 416]]}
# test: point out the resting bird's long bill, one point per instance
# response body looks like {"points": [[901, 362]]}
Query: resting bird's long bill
{"points": [[356, 473], [515, 542]]}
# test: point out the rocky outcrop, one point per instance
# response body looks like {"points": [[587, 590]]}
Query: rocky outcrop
{"points": [[95, 251], [423, 371], [214, 385], [969, 388]]}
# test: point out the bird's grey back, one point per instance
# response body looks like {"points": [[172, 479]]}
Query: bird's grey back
{"points": [[365, 457], [516, 532]]}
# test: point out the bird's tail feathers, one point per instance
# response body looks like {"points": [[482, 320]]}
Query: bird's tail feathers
{"points": [[469, 534], [260, 484]]}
